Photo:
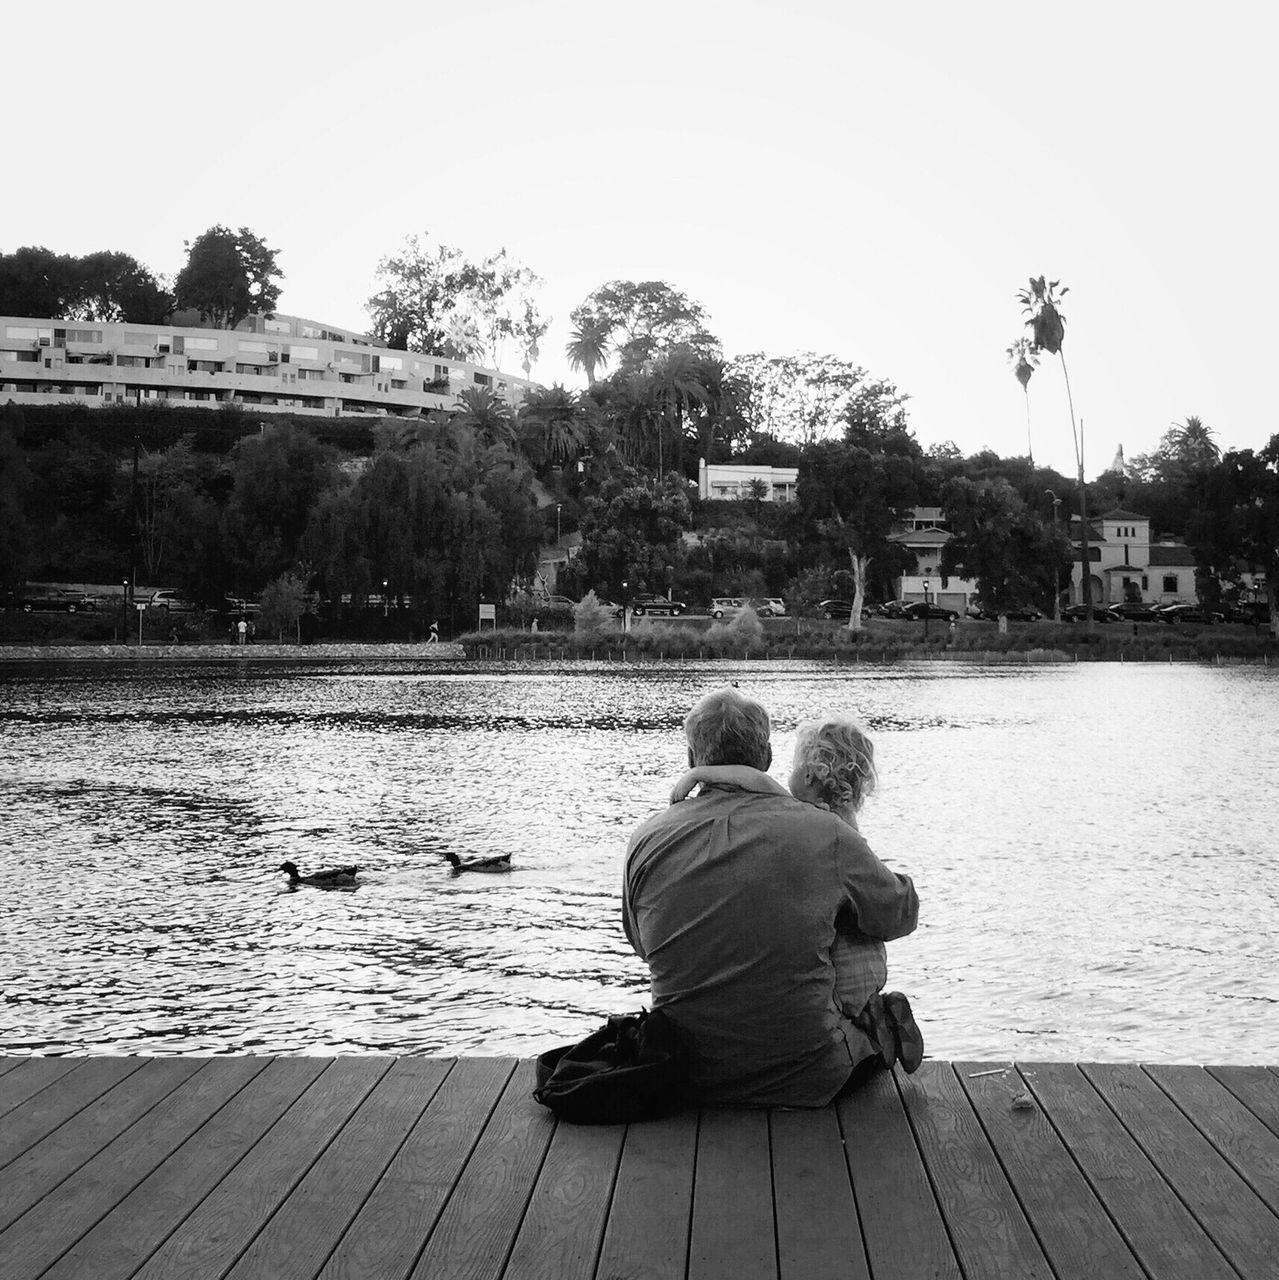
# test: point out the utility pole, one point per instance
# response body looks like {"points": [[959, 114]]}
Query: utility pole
{"points": [[1085, 569]]}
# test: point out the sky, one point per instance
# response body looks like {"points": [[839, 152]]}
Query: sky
{"points": [[871, 181]]}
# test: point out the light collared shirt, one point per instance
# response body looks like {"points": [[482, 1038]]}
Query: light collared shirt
{"points": [[731, 898]]}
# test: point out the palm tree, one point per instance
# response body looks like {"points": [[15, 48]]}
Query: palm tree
{"points": [[1194, 443], [1040, 304], [589, 345], [486, 415], [553, 423], [677, 381], [1023, 358]]}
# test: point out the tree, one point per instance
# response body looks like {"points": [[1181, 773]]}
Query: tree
{"points": [[165, 490], [631, 534], [801, 398], [228, 275], [483, 413], [1001, 542], [1238, 523], [642, 320], [589, 344], [15, 525], [283, 602], [1023, 358], [853, 499], [553, 425], [435, 301], [103, 286], [277, 479]]}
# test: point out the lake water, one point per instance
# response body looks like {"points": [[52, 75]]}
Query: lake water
{"points": [[1094, 845]]}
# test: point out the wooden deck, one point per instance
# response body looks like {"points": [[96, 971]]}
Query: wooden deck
{"points": [[385, 1168]]}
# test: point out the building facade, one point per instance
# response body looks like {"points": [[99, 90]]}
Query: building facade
{"points": [[732, 481], [1124, 565], [283, 364], [925, 533]]}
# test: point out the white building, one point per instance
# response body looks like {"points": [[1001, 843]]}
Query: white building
{"points": [[1125, 565], [730, 481], [925, 533], [284, 364]]}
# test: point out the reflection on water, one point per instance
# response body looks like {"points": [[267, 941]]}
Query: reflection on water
{"points": [[1093, 846]]}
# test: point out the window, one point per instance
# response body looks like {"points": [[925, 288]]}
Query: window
{"points": [[481, 379], [202, 344], [254, 348], [23, 333], [277, 326], [1170, 582], [132, 338], [84, 335], [1145, 583], [304, 353], [389, 362]]}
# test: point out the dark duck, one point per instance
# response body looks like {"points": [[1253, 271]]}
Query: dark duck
{"points": [[333, 878], [499, 862]]}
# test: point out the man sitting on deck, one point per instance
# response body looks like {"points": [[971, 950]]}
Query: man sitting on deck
{"points": [[731, 898]]}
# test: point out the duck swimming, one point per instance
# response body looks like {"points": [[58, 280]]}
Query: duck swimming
{"points": [[499, 862], [333, 878]]}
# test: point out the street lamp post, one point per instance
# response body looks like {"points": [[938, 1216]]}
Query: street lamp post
{"points": [[557, 521], [1057, 567], [927, 584], [384, 599], [124, 612]]}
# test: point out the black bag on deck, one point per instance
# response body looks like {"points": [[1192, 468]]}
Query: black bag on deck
{"points": [[632, 1068]]}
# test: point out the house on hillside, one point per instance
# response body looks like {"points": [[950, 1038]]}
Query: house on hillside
{"points": [[926, 532], [732, 481], [1124, 565]]}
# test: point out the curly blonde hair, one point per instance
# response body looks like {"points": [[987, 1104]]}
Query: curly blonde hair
{"points": [[838, 760]]}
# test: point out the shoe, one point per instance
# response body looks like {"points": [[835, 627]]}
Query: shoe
{"points": [[909, 1039], [874, 1022]]}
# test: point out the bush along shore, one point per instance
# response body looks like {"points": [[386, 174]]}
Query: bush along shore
{"points": [[890, 642]]}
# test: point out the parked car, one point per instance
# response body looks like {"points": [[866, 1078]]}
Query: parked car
{"points": [[1135, 611], [33, 599], [657, 605], [1250, 613], [1018, 613], [553, 602], [918, 610], [769, 606], [840, 609], [168, 600], [1078, 612], [727, 606], [1173, 613], [892, 608]]}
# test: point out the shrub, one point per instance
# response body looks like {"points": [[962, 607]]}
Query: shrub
{"points": [[593, 621]]}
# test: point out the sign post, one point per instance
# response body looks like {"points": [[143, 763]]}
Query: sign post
{"points": [[141, 607], [488, 613]]}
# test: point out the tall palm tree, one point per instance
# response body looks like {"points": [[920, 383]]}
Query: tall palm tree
{"points": [[677, 382], [589, 345], [1040, 304], [1023, 358]]}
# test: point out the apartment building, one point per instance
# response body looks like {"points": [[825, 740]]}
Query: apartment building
{"points": [[284, 364]]}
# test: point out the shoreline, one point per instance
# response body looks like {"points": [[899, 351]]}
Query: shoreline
{"points": [[417, 652]]}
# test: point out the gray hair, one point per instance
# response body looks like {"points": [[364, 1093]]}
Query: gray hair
{"points": [[727, 728]]}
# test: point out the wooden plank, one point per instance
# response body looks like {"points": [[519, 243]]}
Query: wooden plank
{"points": [[1228, 1209], [1158, 1228], [475, 1231], [42, 1167], [298, 1239], [127, 1236], [29, 1076], [206, 1245], [8, 1064], [560, 1236], [819, 1235], [647, 1233], [58, 1101], [395, 1221], [733, 1234], [1072, 1227], [51, 1227], [986, 1223], [1244, 1142], [901, 1222], [1256, 1088]]}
